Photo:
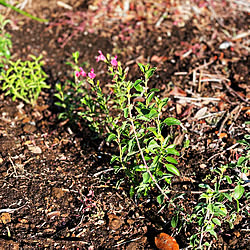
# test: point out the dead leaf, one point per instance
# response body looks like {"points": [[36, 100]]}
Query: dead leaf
{"points": [[187, 111], [200, 113], [237, 234], [53, 214], [5, 218], [177, 91], [58, 192], [179, 139], [115, 222], [158, 59], [202, 166], [49, 231], [164, 241], [178, 109], [35, 149], [42, 108]]}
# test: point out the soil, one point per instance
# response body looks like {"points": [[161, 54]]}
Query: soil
{"points": [[58, 189]]}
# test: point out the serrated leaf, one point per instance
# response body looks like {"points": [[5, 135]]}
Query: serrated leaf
{"points": [[171, 168], [220, 210], [212, 232], [162, 104]]}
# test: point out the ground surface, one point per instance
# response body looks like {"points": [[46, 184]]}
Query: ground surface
{"points": [[57, 186]]}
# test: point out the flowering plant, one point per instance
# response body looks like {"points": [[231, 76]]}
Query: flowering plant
{"points": [[130, 116]]}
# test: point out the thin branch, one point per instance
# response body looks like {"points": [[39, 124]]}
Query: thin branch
{"points": [[200, 192], [23, 12]]}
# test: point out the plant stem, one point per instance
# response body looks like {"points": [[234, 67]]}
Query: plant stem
{"points": [[141, 152], [2, 2]]}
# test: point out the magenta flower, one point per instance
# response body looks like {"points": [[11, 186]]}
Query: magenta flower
{"points": [[114, 62], [91, 74], [82, 72], [101, 57], [77, 73]]}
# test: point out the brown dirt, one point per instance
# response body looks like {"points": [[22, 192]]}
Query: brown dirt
{"points": [[57, 187]]}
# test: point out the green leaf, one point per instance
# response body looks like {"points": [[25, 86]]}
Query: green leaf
{"points": [[228, 196], [172, 121], [153, 90], [132, 191], [241, 160], [153, 129], [124, 149], [162, 103], [229, 180], [160, 199], [172, 151], [220, 210], [114, 158], [174, 221], [152, 145], [212, 232], [142, 67], [202, 185], [171, 159], [150, 97], [210, 207], [150, 72], [126, 113], [139, 88], [124, 124], [111, 137], [186, 143], [137, 82], [146, 177], [171, 168], [142, 117], [216, 221], [153, 113], [238, 192]]}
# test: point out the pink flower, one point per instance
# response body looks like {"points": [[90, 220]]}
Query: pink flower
{"points": [[77, 73], [101, 57], [82, 72], [114, 62], [91, 74]]}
